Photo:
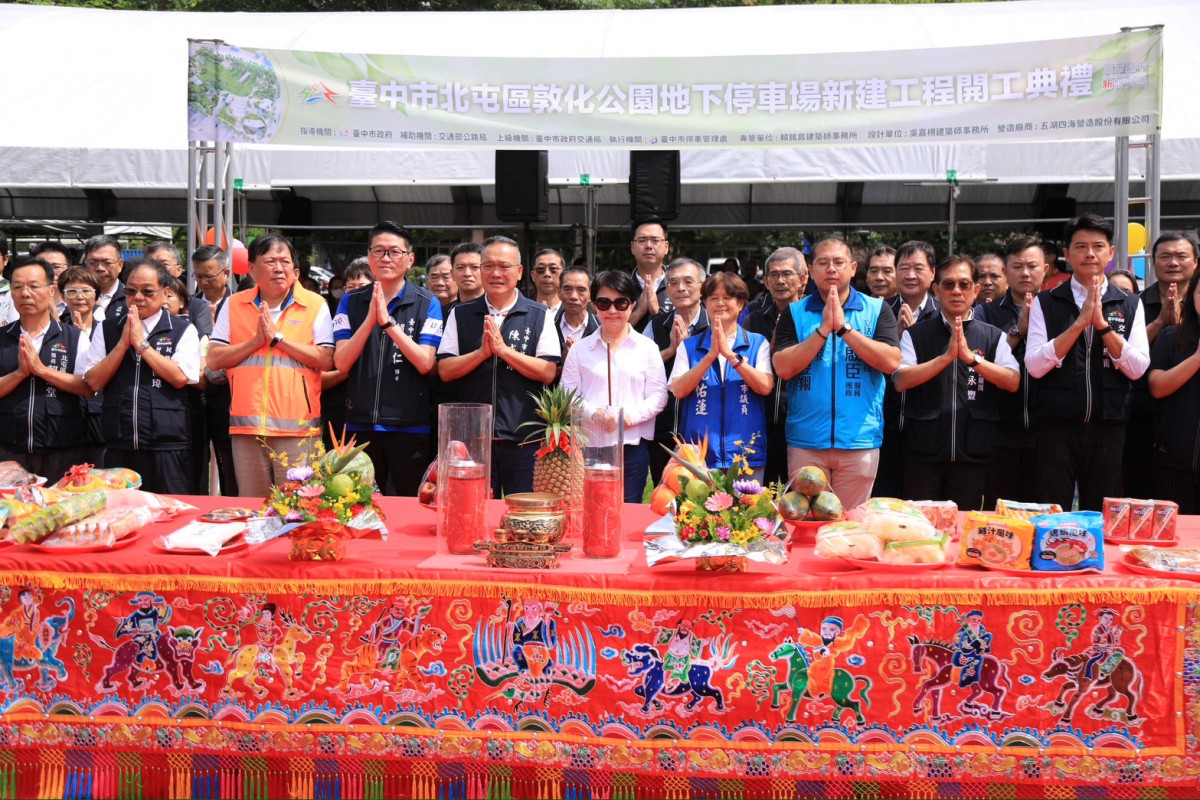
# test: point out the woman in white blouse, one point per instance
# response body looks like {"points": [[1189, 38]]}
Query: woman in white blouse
{"points": [[616, 367]]}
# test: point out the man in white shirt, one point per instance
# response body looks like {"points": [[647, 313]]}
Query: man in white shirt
{"points": [[1087, 344]]}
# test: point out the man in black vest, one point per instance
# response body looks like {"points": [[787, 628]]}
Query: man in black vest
{"points": [[912, 304], [951, 368], [102, 255], [650, 247], [685, 316], [386, 337], [1012, 474], [501, 348], [1087, 344], [143, 361], [41, 377], [787, 277]]}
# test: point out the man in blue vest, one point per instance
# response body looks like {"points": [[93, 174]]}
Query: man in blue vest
{"points": [[836, 349], [386, 337], [502, 349], [1087, 344], [953, 369]]}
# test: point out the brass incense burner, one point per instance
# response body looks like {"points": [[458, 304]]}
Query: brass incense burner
{"points": [[529, 534]]}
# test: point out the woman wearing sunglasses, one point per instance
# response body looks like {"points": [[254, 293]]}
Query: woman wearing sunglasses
{"points": [[616, 367], [723, 376]]}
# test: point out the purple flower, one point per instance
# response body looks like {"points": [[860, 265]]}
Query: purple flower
{"points": [[748, 487], [763, 524], [723, 533], [718, 502], [299, 473]]}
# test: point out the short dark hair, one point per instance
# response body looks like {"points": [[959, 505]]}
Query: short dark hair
{"points": [[101, 240], [637, 223], [1132, 278], [20, 262], [78, 275], [178, 288], [162, 244], [435, 260], [728, 280], [358, 268], [3, 244], [550, 251], [619, 281], [1023, 243], [266, 243], [915, 246], [1087, 222], [53, 247], [573, 268], [210, 252], [160, 273], [954, 260], [394, 228], [1177, 236], [465, 247], [883, 250], [989, 254], [833, 240]]}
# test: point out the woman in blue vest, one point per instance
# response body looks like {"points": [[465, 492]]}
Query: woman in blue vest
{"points": [[723, 376]]}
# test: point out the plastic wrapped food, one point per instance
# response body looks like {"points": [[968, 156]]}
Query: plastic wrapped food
{"points": [[1068, 541], [991, 540], [1141, 519], [1011, 508], [102, 528], [890, 526], [847, 540], [45, 521], [86, 478], [1165, 514], [923, 551], [942, 514], [889, 504], [1116, 517], [13, 474], [1166, 560]]}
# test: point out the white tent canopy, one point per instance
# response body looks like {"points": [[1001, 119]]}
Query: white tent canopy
{"points": [[94, 113]]}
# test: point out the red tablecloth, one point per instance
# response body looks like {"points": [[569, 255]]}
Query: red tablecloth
{"points": [[251, 675]]}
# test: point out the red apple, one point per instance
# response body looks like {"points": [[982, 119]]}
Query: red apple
{"points": [[427, 494]]}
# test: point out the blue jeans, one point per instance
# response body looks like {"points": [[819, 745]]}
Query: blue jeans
{"points": [[637, 467], [512, 467]]}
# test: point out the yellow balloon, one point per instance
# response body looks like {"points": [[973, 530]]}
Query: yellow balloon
{"points": [[1137, 237]]}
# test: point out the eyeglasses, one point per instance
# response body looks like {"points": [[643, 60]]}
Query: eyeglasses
{"points": [[677, 282], [75, 294], [547, 270], [97, 264], [206, 278], [781, 276], [142, 292], [489, 268], [395, 253], [642, 241], [605, 303], [18, 288], [836, 263], [949, 286]]}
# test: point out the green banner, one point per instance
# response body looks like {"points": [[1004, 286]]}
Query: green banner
{"points": [[1082, 88]]}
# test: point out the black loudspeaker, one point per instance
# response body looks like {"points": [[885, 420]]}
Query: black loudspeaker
{"points": [[295, 210], [654, 184], [1055, 208], [522, 192]]}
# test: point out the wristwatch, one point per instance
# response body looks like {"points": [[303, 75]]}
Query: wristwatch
{"points": [[276, 339], [977, 360], [1015, 330], [741, 359], [142, 347], [842, 331], [391, 323]]}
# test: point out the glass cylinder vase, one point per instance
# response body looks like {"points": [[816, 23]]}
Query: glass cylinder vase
{"points": [[464, 476], [602, 431]]}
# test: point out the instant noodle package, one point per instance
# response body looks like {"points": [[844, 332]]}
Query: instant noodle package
{"points": [[1065, 542], [1010, 508], [942, 514], [993, 540]]}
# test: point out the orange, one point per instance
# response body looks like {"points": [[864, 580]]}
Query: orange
{"points": [[661, 499]]}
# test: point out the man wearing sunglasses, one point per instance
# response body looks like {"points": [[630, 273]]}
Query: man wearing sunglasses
{"points": [[953, 369], [502, 349], [547, 276]]}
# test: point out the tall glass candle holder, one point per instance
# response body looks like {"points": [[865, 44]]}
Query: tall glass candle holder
{"points": [[464, 476], [603, 479]]}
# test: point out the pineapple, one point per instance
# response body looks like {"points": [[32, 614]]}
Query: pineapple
{"points": [[559, 462]]}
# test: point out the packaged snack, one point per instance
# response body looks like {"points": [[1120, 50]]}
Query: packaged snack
{"points": [[846, 539], [1116, 518], [926, 551], [890, 504], [992, 540], [102, 528], [45, 521], [1068, 541], [13, 474], [1165, 513], [1010, 508], [890, 526], [942, 514], [1141, 519]]}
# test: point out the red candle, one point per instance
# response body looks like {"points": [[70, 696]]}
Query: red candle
{"points": [[603, 495], [463, 508]]}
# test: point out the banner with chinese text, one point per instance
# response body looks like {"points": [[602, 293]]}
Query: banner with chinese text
{"points": [[1081, 88]]}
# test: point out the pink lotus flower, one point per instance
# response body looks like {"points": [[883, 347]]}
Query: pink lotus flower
{"points": [[718, 502]]}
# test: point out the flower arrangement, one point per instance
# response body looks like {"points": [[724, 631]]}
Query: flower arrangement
{"points": [[325, 487]]}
